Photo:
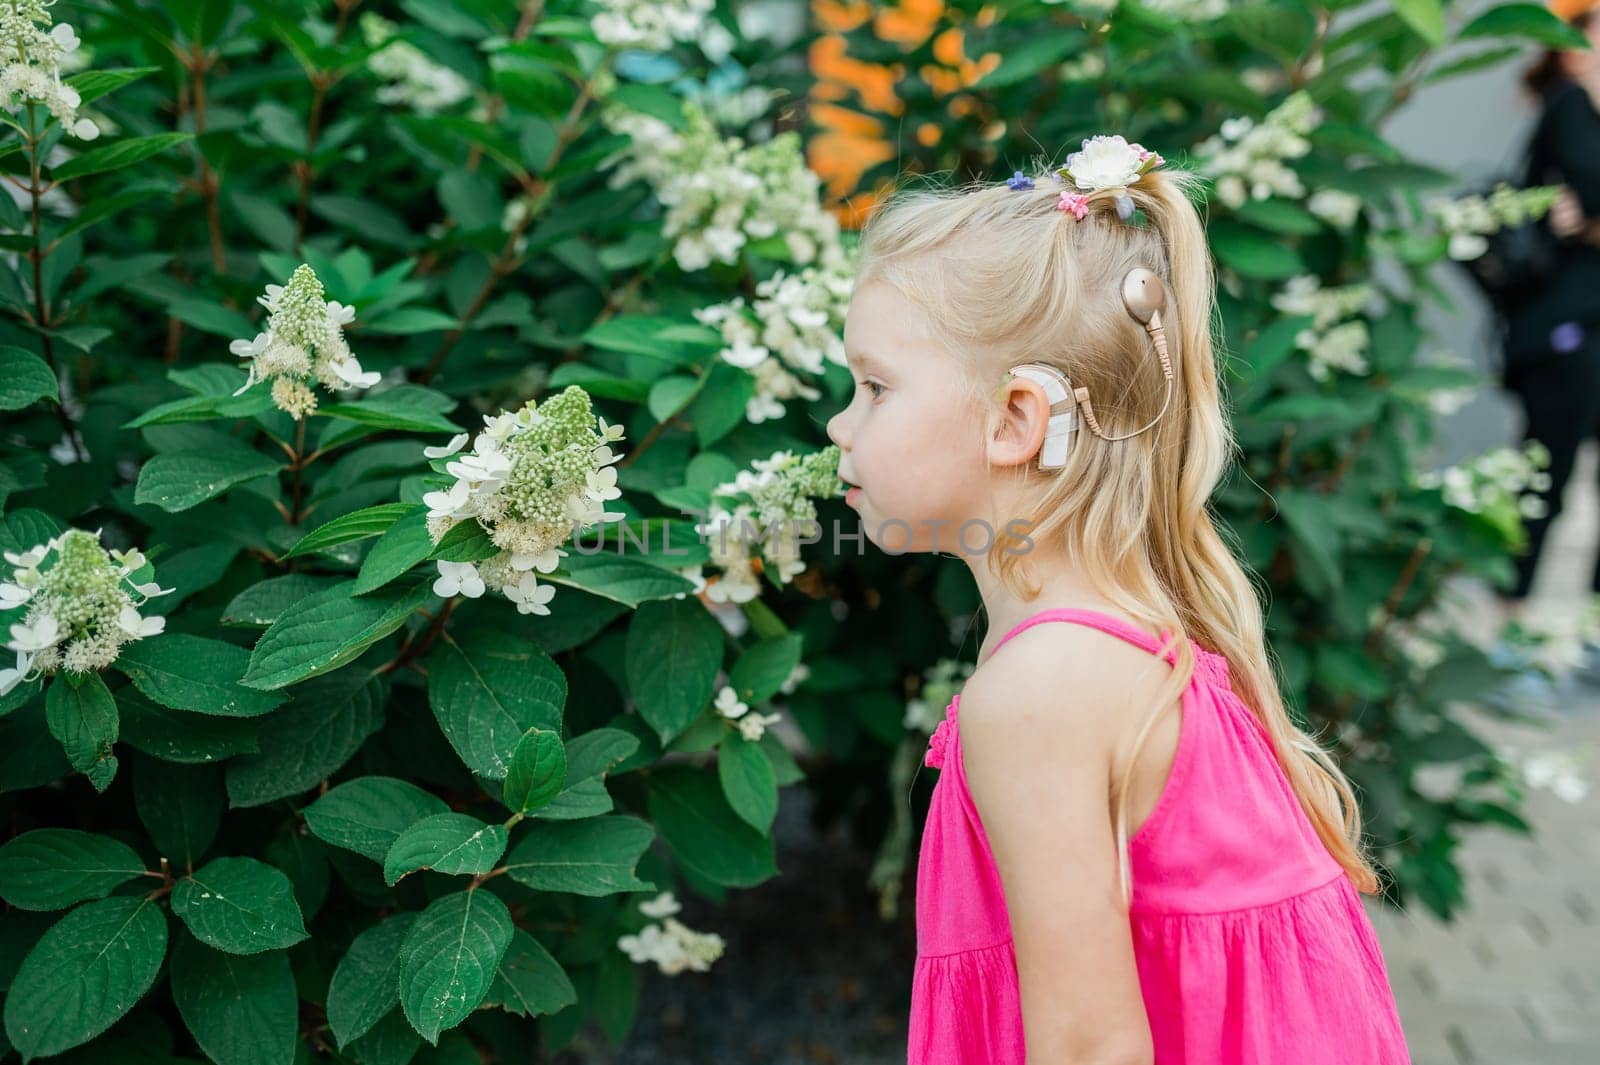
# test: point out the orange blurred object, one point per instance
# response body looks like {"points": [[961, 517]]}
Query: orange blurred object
{"points": [[1567, 10]]}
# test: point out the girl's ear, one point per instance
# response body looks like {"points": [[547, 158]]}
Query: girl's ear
{"points": [[1023, 417]]}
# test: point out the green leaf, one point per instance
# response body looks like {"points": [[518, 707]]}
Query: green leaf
{"points": [[595, 857], [465, 541], [241, 1009], [449, 957], [366, 982], [673, 655], [594, 753], [488, 691], [1532, 22], [367, 814], [326, 721], [748, 781], [402, 546], [357, 525], [180, 806], [669, 339], [1032, 56], [406, 321], [182, 737], [760, 672], [1316, 532], [705, 833], [93, 84], [622, 580], [1424, 16], [123, 153], [1279, 216], [239, 905], [720, 407], [529, 982], [86, 971], [178, 480], [53, 868], [81, 714], [445, 843], [24, 378], [212, 318], [537, 772], [1252, 253], [193, 673], [328, 630], [262, 604], [409, 408]]}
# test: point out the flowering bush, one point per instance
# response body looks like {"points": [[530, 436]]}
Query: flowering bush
{"points": [[327, 767]]}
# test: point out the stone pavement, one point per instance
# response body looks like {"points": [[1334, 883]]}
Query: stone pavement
{"points": [[1515, 979]]}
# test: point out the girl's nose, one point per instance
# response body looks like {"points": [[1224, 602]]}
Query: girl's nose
{"points": [[836, 430]]}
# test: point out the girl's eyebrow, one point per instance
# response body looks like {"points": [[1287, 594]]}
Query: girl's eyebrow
{"points": [[862, 362]]}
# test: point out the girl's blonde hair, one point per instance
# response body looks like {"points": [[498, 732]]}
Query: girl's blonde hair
{"points": [[1006, 277]]}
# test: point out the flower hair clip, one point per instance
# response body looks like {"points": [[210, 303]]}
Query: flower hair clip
{"points": [[1105, 167]]}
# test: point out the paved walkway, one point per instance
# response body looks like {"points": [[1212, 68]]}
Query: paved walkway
{"points": [[1515, 979]]}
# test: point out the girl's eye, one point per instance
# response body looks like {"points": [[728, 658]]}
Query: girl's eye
{"points": [[875, 386]]}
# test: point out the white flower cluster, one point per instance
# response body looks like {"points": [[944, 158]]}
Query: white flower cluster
{"points": [[303, 344], [534, 477], [1558, 771], [792, 327], [673, 947], [81, 605], [752, 725], [649, 25], [721, 194], [414, 80], [1469, 220], [1338, 208], [771, 510], [1330, 341], [1496, 480], [940, 682], [33, 50], [1247, 158]]}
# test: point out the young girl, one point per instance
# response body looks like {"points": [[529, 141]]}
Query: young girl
{"points": [[1122, 863]]}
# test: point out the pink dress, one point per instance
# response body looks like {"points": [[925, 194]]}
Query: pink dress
{"points": [[1251, 942]]}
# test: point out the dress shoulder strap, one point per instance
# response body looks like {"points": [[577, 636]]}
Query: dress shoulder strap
{"points": [[1209, 664]]}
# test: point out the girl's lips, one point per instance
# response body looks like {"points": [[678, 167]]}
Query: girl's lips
{"points": [[851, 495]]}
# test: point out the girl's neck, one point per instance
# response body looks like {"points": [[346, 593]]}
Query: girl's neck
{"points": [[1061, 586]]}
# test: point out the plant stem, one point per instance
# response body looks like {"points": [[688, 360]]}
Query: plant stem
{"points": [[321, 81], [298, 467], [198, 63], [36, 255], [538, 190]]}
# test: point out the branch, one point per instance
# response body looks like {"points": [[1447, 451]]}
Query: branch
{"points": [[36, 255]]}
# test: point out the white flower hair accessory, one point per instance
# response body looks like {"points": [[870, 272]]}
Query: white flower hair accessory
{"points": [[1104, 167]]}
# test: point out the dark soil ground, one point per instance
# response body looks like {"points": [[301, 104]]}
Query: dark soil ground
{"points": [[810, 975]]}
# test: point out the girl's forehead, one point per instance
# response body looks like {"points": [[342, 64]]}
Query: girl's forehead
{"points": [[882, 325]]}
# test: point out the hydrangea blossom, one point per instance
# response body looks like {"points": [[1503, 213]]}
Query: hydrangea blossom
{"points": [[534, 477], [760, 522], [414, 80], [1330, 342], [1247, 159], [1469, 220], [752, 725], [940, 682], [1496, 480], [649, 25], [33, 50], [81, 606], [720, 194], [668, 943], [1338, 208], [303, 345], [785, 335]]}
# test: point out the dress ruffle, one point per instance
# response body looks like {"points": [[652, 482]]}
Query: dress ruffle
{"points": [[939, 742], [984, 1021]]}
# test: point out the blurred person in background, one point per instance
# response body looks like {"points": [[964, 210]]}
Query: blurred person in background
{"points": [[1556, 332]]}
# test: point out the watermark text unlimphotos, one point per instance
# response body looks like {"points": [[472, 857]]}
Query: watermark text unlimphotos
{"points": [[972, 537]]}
